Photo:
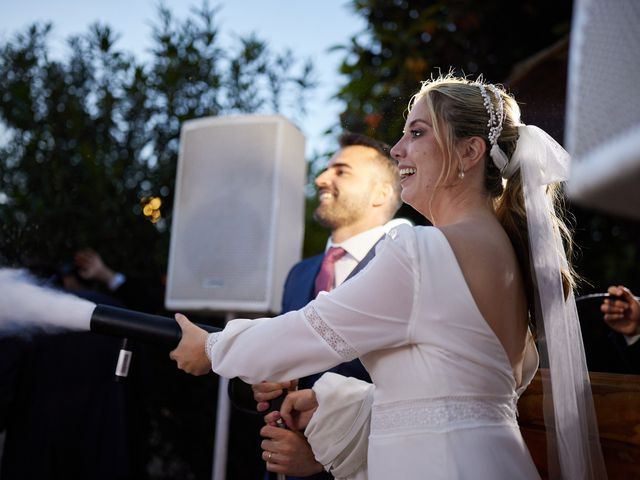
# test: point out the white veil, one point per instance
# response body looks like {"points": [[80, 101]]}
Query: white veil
{"points": [[572, 432]]}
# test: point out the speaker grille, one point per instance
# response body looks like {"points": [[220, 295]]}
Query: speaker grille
{"points": [[603, 116], [225, 251]]}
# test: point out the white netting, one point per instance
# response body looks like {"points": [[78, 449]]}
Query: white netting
{"points": [[603, 115]]}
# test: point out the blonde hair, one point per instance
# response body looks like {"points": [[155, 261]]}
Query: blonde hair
{"points": [[457, 111]]}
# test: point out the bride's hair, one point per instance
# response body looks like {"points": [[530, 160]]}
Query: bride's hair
{"points": [[458, 110]]}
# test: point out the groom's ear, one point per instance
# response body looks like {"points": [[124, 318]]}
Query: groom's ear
{"points": [[381, 194]]}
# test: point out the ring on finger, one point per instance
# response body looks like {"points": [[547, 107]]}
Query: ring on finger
{"points": [[269, 456]]}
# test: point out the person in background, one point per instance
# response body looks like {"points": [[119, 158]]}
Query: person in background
{"points": [[622, 315], [144, 294]]}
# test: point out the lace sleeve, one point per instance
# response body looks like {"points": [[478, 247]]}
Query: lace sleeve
{"points": [[335, 341]]}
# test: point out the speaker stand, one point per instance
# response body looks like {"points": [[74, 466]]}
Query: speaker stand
{"points": [[223, 414]]}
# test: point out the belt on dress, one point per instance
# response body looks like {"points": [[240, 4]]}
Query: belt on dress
{"points": [[440, 414]]}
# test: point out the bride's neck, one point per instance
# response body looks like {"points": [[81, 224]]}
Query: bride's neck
{"points": [[447, 211]]}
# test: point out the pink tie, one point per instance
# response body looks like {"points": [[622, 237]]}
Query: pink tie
{"points": [[326, 276]]}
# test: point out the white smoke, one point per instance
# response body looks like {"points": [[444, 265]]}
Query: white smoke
{"points": [[25, 305]]}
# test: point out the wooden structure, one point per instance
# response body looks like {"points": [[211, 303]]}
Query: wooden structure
{"points": [[617, 402]]}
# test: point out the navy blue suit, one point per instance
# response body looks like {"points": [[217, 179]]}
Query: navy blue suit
{"points": [[298, 291]]}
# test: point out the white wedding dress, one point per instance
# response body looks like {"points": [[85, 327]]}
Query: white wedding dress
{"points": [[444, 401]]}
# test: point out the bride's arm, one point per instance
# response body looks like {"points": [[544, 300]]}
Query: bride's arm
{"points": [[372, 311]]}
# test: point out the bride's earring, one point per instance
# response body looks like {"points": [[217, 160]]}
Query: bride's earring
{"points": [[460, 169]]}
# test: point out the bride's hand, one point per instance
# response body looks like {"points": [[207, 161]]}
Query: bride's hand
{"points": [[298, 408], [190, 354]]}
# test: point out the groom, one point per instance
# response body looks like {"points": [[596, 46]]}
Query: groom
{"points": [[359, 192]]}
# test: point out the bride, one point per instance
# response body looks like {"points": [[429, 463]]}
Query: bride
{"points": [[440, 318]]}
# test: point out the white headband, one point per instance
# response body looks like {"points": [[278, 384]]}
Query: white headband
{"points": [[496, 119]]}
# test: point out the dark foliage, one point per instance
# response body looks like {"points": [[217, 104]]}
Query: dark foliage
{"points": [[87, 140], [406, 41]]}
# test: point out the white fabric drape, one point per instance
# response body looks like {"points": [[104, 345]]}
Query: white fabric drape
{"points": [[339, 430], [571, 423]]}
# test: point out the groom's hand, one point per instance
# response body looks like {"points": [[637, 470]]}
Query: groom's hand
{"points": [[288, 452]]}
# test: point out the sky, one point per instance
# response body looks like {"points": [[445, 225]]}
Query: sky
{"points": [[307, 27]]}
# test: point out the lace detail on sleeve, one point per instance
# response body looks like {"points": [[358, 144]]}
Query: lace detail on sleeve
{"points": [[335, 341], [211, 341]]}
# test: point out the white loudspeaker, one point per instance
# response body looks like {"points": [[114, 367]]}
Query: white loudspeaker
{"points": [[238, 216], [603, 107]]}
